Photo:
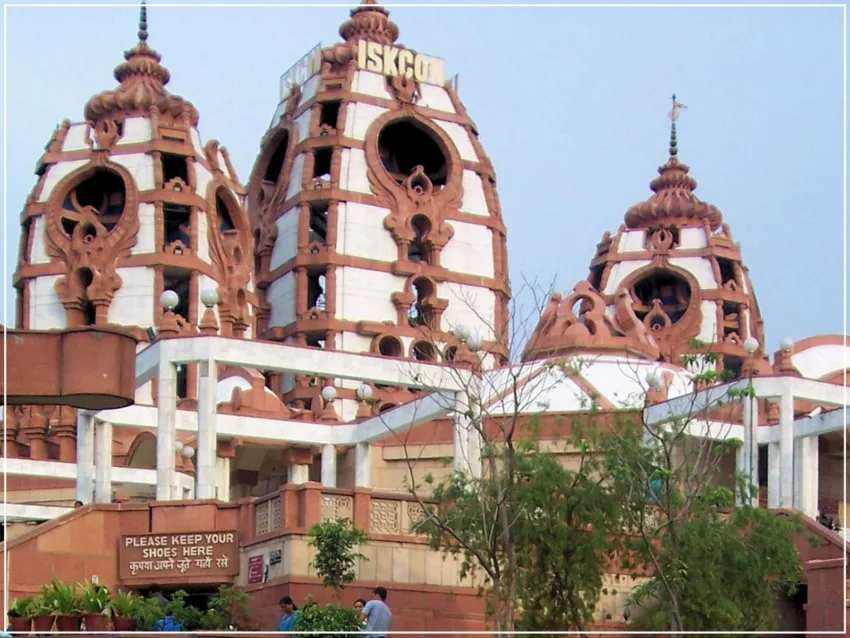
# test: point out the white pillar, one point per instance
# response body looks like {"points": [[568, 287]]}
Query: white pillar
{"points": [[786, 448], [299, 473], [754, 450], [773, 475], [806, 476], [223, 479], [103, 462], [166, 429], [363, 465], [468, 441], [207, 439], [329, 466], [85, 456]]}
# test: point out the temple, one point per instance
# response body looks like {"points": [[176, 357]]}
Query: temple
{"points": [[304, 335]]}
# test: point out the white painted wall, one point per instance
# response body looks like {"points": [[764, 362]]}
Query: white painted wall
{"points": [[196, 142], [469, 306], [46, 311], [309, 89], [203, 238], [202, 179], [353, 173], [700, 268], [144, 394], [369, 83], [365, 295], [622, 270], [435, 97], [281, 297], [286, 245], [77, 138], [38, 254], [708, 326], [303, 124], [146, 239], [460, 138], [296, 177], [359, 118], [470, 250], [136, 130], [56, 173], [819, 361], [361, 232], [632, 241], [141, 168], [474, 200], [692, 238], [353, 342], [133, 303]]}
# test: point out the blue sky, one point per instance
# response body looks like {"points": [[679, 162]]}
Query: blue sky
{"points": [[571, 104]]}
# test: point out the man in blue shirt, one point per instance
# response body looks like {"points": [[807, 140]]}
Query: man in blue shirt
{"points": [[377, 615]]}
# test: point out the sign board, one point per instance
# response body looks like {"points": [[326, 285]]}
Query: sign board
{"points": [[394, 61], [256, 569], [156, 557], [274, 557], [301, 71]]}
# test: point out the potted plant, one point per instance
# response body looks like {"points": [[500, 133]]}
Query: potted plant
{"points": [[123, 607], [64, 601], [187, 615], [42, 613], [146, 613], [94, 603], [20, 615], [228, 610]]}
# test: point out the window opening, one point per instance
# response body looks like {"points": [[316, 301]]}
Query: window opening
{"points": [[179, 282], [319, 222], [223, 212], [420, 312], [330, 114], [733, 366], [420, 249], [182, 382], [174, 166], [390, 347], [672, 293], [451, 353], [104, 192], [727, 270], [316, 290], [275, 165], [404, 145], [316, 341], [595, 278], [178, 220], [424, 351], [385, 407], [322, 162]]}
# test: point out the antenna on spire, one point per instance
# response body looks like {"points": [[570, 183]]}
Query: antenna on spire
{"points": [[143, 22], [674, 115]]}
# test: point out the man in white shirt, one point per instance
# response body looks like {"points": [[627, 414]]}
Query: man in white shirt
{"points": [[377, 614]]}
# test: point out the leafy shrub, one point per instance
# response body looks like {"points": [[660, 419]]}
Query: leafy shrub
{"points": [[147, 613], [230, 607], [188, 616], [329, 618]]}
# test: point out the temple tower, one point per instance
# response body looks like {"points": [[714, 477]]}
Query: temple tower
{"points": [[130, 204], [670, 275], [374, 206]]}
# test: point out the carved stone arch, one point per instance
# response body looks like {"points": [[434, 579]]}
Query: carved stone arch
{"points": [[418, 304], [671, 335], [89, 242], [264, 197], [415, 194], [140, 449], [388, 345]]}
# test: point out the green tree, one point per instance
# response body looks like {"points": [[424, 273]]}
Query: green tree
{"points": [[335, 541], [712, 566]]}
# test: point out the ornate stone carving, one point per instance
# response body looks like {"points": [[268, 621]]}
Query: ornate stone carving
{"points": [[404, 89], [337, 506], [385, 516], [90, 250], [369, 22]]}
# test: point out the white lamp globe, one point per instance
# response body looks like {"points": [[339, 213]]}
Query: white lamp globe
{"points": [[462, 332], [364, 392], [188, 452], [169, 300], [751, 344], [787, 344], [474, 341], [654, 380], [329, 393], [209, 297], [178, 446]]}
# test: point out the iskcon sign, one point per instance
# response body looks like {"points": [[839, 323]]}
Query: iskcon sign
{"points": [[395, 62]]}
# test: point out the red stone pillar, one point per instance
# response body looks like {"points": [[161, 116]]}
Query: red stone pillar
{"points": [[310, 501], [63, 422], [34, 425], [10, 432], [362, 506]]}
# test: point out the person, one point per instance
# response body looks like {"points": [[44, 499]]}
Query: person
{"points": [[359, 604], [169, 623], [287, 622], [377, 614], [155, 592], [78, 504]]}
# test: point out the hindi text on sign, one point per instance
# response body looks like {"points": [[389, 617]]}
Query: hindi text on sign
{"points": [[159, 556]]}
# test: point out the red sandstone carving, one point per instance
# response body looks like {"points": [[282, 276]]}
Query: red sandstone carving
{"points": [[369, 22]]}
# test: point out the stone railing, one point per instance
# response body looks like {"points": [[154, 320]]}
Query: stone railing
{"points": [[296, 508]]}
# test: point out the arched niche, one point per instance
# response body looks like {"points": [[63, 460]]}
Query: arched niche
{"points": [[142, 452], [272, 168]]}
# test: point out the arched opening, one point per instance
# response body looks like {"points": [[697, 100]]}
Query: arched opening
{"points": [[403, 145], [104, 192], [275, 165], [143, 452], [661, 294], [450, 353], [420, 249], [223, 213], [390, 347], [424, 351], [316, 283], [85, 277], [420, 313]]}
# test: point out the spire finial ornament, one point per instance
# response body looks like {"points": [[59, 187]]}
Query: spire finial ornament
{"points": [[369, 21], [674, 115], [143, 22]]}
